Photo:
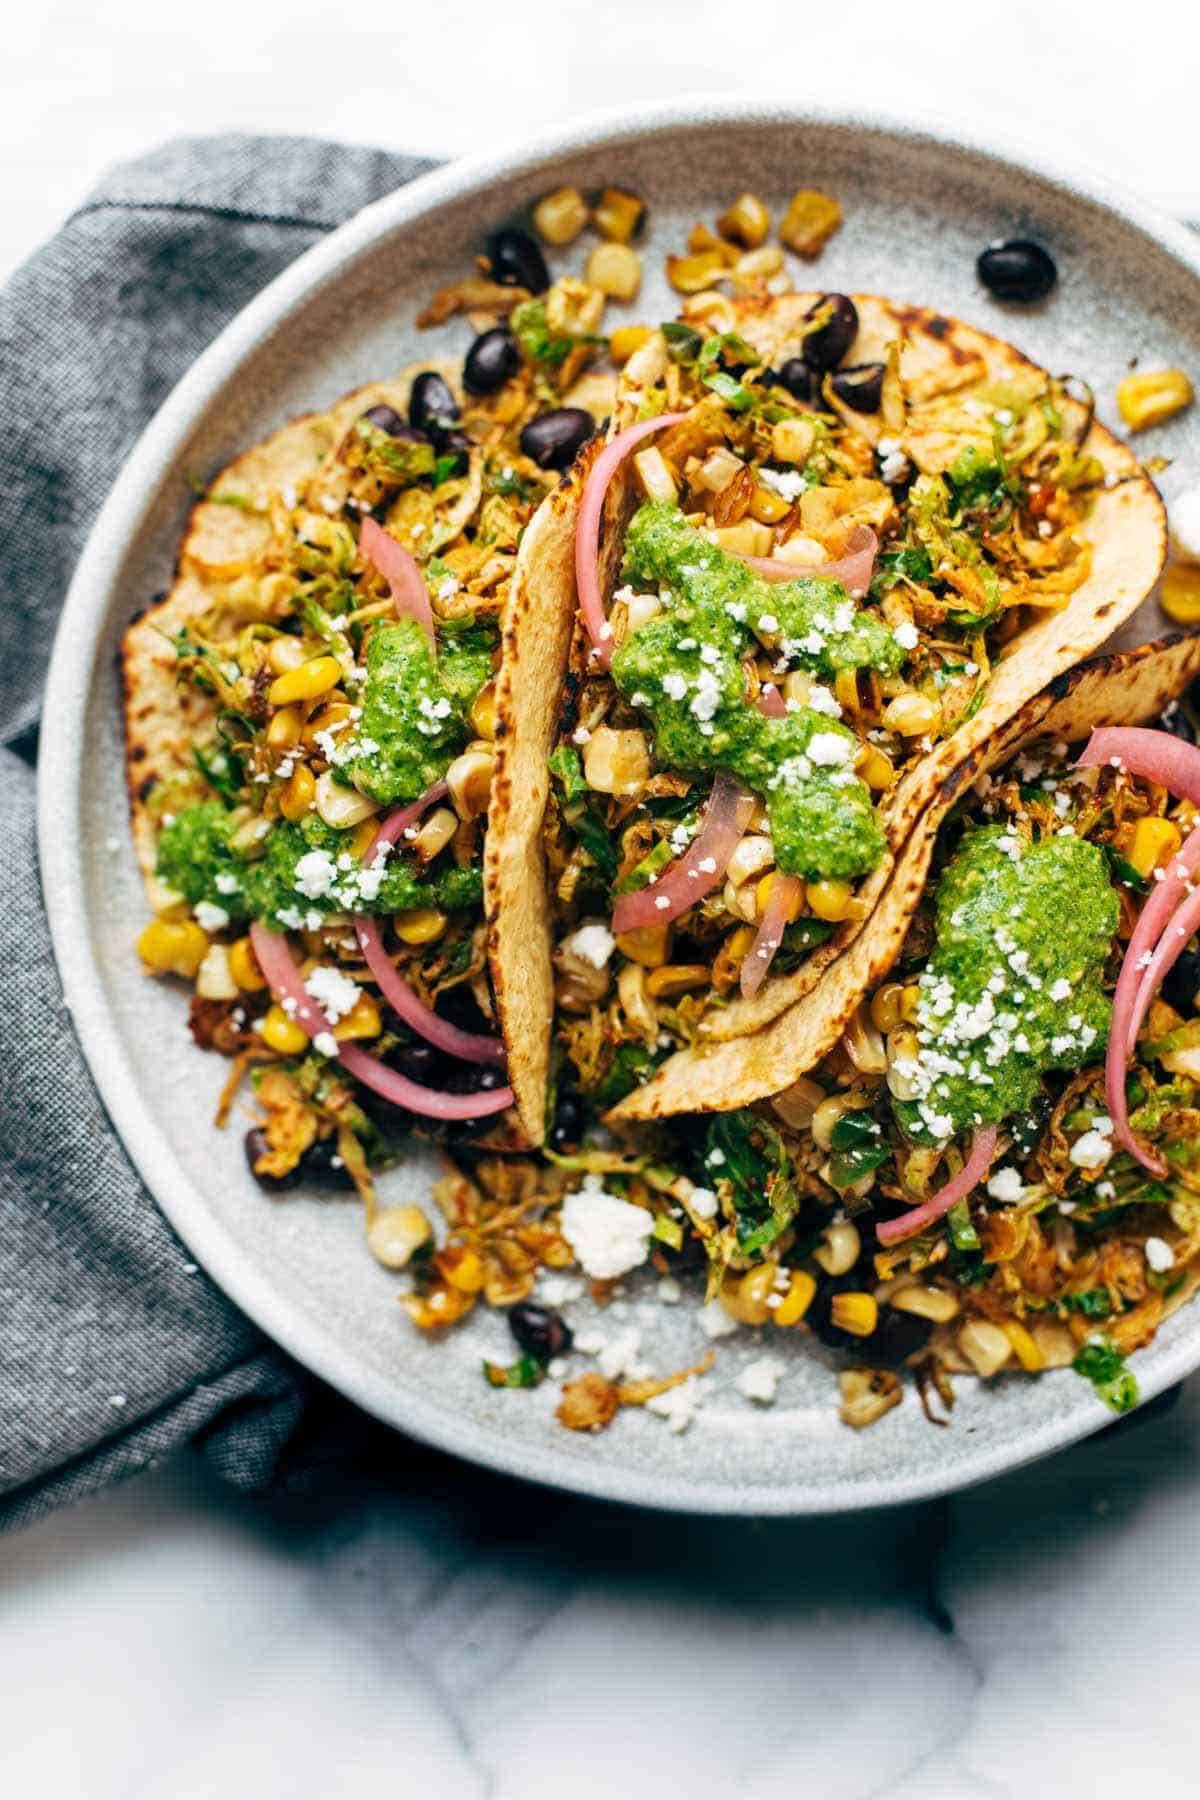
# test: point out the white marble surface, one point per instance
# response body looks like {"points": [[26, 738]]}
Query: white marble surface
{"points": [[440, 1631]]}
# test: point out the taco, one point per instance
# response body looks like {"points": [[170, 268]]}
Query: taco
{"points": [[310, 723], [831, 548], [991, 1155]]}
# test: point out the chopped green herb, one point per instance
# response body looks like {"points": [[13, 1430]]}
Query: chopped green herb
{"points": [[527, 1372], [1101, 1363]]}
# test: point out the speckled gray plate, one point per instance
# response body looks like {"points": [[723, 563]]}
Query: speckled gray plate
{"points": [[918, 208]]}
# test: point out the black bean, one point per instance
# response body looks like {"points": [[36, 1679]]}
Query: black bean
{"points": [[464, 1078], [796, 377], [554, 439], [1177, 722], [1017, 270], [453, 442], [255, 1145], [831, 326], [898, 1336], [516, 260], [861, 388], [492, 360], [1182, 985], [386, 418], [420, 1062], [539, 1331], [566, 1133], [323, 1167], [431, 404], [819, 1316]]}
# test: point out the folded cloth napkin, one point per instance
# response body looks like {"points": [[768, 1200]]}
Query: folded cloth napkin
{"points": [[114, 1347]]}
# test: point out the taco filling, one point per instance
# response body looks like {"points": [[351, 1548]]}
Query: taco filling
{"points": [[815, 583], [312, 718]]}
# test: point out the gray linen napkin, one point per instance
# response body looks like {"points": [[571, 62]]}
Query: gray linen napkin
{"points": [[114, 1347]]}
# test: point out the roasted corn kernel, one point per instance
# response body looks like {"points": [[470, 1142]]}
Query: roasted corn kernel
{"points": [[299, 793], [626, 340], [616, 762], [934, 1303], [746, 222], [745, 1299], [469, 779], [616, 270], [1151, 397], [692, 274], [863, 1044], [826, 1116], [434, 833], [857, 1314], [867, 1394], [677, 978], [809, 222], [483, 711], [750, 857], [213, 978], [829, 899], [284, 728], [985, 1346], [173, 947], [654, 476], [462, 1267], [308, 682], [423, 925], [1153, 842], [797, 1104], [284, 653], [740, 942], [243, 966], [911, 715], [886, 1011], [362, 1021], [559, 217], [1180, 593], [767, 506], [797, 1300], [1029, 1355], [792, 440], [617, 215], [649, 945], [840, 1245], [875, 769], [341, 806], [395, 1233], [282, 1034]]}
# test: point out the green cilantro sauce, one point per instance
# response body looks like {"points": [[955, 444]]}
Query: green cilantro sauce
{"points": [[684, 668], [1013, 987], [302, 872], [415, 708]]}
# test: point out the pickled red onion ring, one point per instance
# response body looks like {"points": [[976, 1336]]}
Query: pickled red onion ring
{"points": [[401, 817], [783, 891], [979, 1161], [587, 528], [771, 703], [401, 572], [1153, 919], [287, 984], [854, 569], [699, 870]]}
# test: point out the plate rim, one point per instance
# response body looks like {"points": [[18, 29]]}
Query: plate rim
{"points": [[61, 863]]}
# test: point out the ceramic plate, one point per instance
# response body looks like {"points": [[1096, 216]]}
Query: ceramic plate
{"points": [[918, 208]]}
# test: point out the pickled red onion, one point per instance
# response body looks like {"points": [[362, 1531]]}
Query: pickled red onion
{"points": [[1168, 762], [979, 1161], [854, 570], [401, 817], [287, 984], [587, 529], [771, 703], [783, 891], [1156, 756], [471, 1046], [699, 870], [401, 572]]}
